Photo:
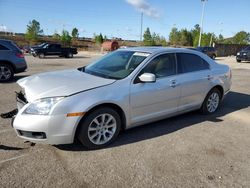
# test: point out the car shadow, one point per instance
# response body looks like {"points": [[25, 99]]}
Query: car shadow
{"points": [[9, 148], [234, 101], [244, 62]]}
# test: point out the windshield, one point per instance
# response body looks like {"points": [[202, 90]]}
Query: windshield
{"points": [[116, 65], [41, 45], [247, 48]]}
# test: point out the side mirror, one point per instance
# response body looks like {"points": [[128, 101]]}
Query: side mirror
{"points": [[147, 78]]}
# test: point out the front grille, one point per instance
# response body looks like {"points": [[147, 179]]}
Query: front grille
{"points": [[30, 134]]}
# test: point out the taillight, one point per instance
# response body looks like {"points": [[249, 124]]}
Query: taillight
{"points": [[20, 55]]}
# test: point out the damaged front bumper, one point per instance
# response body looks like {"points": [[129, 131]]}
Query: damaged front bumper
{"points": [[47, 129]]}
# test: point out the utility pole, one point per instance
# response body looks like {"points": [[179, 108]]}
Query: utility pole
{"points": [[202, 17], [141, 25]]}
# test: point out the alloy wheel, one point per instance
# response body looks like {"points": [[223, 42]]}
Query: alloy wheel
{"points": [[102, 129], [5, 73], [213, 102]]}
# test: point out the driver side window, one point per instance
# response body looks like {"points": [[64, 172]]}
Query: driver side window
{"points": [[162, 66]]}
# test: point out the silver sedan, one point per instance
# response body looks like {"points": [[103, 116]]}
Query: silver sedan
{"points": [[124, 89]]}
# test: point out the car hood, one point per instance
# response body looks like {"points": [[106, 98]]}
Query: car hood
{"points": [[60, 83], [244, 51]]}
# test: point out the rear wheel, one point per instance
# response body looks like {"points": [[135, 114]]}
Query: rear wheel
{"points": [[6, 73], [211, 102], [99, 128]]}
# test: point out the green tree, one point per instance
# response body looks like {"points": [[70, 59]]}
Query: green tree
{"points": [[98, 38], [56, 36], [195, 32], [220, 38], [33, 31], [65, 38], [185, 38], [147, 38], [158, 40], [75, 33], [163, 41], [174, 36], [241, 37]]}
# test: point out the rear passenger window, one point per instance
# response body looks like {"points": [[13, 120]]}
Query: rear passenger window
{"points": [[190, 63], [3, 47]]}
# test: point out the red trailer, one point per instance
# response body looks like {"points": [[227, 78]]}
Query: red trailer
{"points": [[110, 45]]}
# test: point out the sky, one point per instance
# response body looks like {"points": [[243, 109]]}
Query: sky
{"points": [[122, 18]]}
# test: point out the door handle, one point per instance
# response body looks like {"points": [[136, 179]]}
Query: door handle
{"points": [[209, 77]]}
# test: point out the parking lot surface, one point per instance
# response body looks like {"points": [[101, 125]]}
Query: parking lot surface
{"points": [[190, 150]]}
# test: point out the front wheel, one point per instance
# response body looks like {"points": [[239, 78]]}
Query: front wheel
{"points": [[99, 128], [238, 60], [41, 55], [211, 102]]}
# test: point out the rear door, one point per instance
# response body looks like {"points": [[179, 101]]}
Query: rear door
{"points": [[54, 49], [194, 77], [153, 100], [5, 52]]}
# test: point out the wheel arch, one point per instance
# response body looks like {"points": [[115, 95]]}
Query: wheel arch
{"points": [[8, 63], [116, 107], [220, 88]]}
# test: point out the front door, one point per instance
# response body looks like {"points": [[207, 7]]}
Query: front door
{"points": [[151, 101]]}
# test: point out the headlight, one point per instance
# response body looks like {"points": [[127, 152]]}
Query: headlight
{"points": [[42, 106], [238, 53], [244, 53]]}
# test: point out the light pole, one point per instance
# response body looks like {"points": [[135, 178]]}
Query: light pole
{"points": [[202, 17], [141, 25]]}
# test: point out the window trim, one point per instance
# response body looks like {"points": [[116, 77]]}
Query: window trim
{"points": [[7, 49], [209, 66], [134, 79]]}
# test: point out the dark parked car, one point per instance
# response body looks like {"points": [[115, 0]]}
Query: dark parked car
{"points": [[37, 46], [243, 55], [210, 51], [11, 60], [26, 49], [53, 49]]}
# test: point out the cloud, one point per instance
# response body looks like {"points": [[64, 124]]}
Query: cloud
{"points": [[3, 28], [145, 7]]}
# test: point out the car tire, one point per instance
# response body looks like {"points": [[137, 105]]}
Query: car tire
{"points": [[6, 73], [69, 55], [213, 56], [99, 128], [211, 102], [41, 55], [238, 60]]}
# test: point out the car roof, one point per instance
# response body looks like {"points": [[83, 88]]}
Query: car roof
{"points": [[5, 41], [154, 50]]}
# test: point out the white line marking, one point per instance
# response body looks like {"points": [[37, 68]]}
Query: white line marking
{"points": [[10, 159]]}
